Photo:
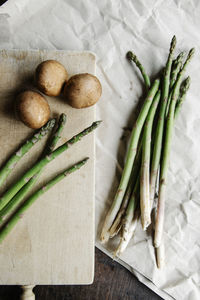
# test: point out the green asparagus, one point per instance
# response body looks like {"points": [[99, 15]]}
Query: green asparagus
{"points": [[17, 216], [183, 90], [160, 123], [11, 192], [132, 57], [166, 154], [12, 161], [145, 204], [129, 161], [176, 67], [27, 187], [116, 226]]}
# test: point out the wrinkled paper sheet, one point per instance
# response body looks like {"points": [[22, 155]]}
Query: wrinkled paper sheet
{"points": [[109, 29]]}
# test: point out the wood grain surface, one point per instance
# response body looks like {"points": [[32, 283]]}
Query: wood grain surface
{"points": [[54, 241]]}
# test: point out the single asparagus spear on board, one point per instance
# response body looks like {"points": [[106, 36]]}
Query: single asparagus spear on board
{"points": [[11, 205], [161, 119], [17, 216], [137, 128], [145, 204], [166, 154], [12, 161], [132, 57], [9, 194]]}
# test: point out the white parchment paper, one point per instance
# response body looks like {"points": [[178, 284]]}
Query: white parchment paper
{"points": [[110, 28]]}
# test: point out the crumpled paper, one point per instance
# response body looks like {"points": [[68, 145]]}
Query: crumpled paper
{"points": [[110, 29]]}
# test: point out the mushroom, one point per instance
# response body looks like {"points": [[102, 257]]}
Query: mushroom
{"points": [[50, 75], [32, 109], [82, 90]]}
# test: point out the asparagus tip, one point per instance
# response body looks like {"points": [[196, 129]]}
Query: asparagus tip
{"points": [[62, 119], [173, 44], [130, 55], [49, 124], [97, 123], [191, 53], [185, 85]]}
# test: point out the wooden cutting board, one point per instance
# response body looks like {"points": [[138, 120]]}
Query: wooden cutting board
{"points": [[54, 241]]}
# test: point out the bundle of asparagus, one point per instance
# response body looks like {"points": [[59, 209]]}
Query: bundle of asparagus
{"points": [[148, 156], [12, 204]]}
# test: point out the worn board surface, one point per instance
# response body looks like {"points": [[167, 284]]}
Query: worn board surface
{"points": [[54, 241]]}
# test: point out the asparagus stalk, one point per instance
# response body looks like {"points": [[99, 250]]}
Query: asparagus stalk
{"points": [[129, 162], [176, 67], [160, 125], [12, 161], [43, 162], [17, 216], [57, 134], [160, 251], [130, 220], [183, 90], [146, 155], [166, 154], [26, 188], [116, 226], [132, 57]]}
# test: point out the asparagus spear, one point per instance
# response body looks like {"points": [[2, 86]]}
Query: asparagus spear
{"points": [[176, 67], [26, 188], [183, 90], [166, 154], [129, 162], [17, 216], [130, 220], [57, 134], [146, 155], [160, 125], [10, 164], [116, 226], [43, 162], [132, 57], [160, 251]]}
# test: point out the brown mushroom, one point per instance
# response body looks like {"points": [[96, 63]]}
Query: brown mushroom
{"points": [[50, 75], [32, 109], [82, 90]]}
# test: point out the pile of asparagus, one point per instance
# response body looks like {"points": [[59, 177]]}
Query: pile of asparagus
{"points": [[12, 203], [147, 161]]}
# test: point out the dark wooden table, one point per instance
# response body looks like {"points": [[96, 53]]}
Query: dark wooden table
{"points": [[112, 282]]}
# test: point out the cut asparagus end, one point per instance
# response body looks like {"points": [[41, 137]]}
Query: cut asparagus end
{"points": [[160, 256], [105, 235]]}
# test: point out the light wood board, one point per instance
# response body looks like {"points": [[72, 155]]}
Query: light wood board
{"points": [[54, 241]]}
